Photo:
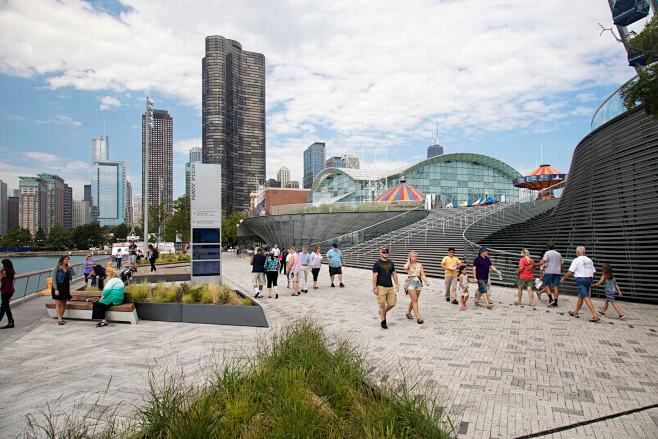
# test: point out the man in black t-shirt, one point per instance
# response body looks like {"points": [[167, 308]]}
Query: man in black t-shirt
{"points": [[258, 272], [383, 276]]}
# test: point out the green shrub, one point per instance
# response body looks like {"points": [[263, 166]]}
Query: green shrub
{"points": [[189, 298], [246, 302], [163, 293], [140, 292]]}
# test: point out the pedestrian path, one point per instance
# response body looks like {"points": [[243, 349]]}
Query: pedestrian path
{"points": [[500, 373]]}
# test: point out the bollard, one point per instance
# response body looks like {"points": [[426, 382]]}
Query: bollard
{"points": [[49, 287]]}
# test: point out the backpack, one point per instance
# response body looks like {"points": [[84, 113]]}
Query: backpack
{"points": [[156, 253]]}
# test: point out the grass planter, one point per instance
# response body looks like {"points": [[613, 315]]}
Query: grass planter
{"points": [[162, 312], [224, 315]]}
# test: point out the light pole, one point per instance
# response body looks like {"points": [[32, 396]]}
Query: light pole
{"points": [[146, 169]]}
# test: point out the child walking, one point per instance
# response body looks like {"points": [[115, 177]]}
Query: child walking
{"points": [[611, 289], [463, 287]]}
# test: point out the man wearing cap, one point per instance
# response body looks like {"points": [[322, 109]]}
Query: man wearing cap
{"points": [[450, 264], [481, 267], [383, 276]]}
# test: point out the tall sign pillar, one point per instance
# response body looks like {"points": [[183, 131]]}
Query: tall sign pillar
{"points": [[206, 222]]}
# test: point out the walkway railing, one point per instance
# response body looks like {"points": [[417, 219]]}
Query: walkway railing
{"points": [[287, 209], [33, 282], [367, 233]]}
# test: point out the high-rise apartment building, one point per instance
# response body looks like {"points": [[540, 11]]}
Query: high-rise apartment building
{"points": [[81, 213], [345, 161], [128, 220], [68, 206], [32, 203], [54, 206], [100, 149], [137, 210], [283, 176], [233, 118], [195, 157], [273, 182], [108, 189], [87, 194], [314, 157], [160, 170], [4, 215], [12, 211]]}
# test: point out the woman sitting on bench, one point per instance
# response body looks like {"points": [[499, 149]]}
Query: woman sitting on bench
{"points": [[112, 295]]}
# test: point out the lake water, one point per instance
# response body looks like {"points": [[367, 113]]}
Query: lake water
{"points": [[26, 264]]}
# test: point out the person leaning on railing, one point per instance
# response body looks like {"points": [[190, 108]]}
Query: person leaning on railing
{"points": [[112, 295]]}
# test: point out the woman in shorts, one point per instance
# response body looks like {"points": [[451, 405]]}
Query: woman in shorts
{"points": [[526, 273], [414, 284]]}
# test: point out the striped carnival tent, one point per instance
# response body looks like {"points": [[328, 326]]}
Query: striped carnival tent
{"points": [[541, 178], [401, 192]]}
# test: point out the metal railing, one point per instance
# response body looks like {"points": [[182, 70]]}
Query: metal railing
{"points": [[287, 209], [30, 283], [367, 233]]}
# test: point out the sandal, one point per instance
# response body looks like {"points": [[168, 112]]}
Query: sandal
{"points": [[420, 321], [409, 316], [101, 324], [595, 319], [573, 314], [490, 306], [60, 322]]}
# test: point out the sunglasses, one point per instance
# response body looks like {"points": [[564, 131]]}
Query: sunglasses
{"points": [[385, 251]]}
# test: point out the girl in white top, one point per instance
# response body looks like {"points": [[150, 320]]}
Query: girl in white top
{"points": [[414, 283]]}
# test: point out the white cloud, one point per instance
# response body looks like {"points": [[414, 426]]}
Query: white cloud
{"points": [[586, 97], [60, 120], [42, 157], [183, 146], [109, 102], [373, 67]]}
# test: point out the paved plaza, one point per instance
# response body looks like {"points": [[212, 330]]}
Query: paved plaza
{"points": [[499, 373]]}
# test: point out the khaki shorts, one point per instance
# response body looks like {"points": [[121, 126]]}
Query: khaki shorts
{"points": [[258, 279], [386, 296]]}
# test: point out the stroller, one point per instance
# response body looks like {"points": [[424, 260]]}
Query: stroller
{"points": [[126, 275]]}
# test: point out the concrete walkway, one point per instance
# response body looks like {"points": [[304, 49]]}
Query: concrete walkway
{"points": [[500, 373]]}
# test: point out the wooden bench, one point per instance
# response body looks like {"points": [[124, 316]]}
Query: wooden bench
{"points": [[80, 307]]}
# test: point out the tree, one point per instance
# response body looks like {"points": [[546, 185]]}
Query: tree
{"points": [[16, 237], [120, 232], [58, 238], [179, 220], [158, 218], [87, 235], [644, 90], [230, 228], [39, 238]]}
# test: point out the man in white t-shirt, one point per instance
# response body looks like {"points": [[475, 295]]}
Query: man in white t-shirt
{"points": [[582, 269], [275, 251]]}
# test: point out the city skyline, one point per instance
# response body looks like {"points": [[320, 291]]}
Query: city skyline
{"points": [[564, 68]]}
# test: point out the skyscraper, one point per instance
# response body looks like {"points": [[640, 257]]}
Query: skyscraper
{"points": [[87, 194], [314, 157], [233, 95], [137, 210], [81, 213], [32, 203], [12, 211], [4, 215], [100, 149], [283, 176], [128, 220], [68, 206], [346, 161], [108, 189], [195, 157], [161, 160], [54, 201]]}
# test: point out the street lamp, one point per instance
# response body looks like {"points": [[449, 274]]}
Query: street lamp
{"points": [[146, 169]]}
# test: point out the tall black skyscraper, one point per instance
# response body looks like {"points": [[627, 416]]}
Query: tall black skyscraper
{"points": [[233, 94]]}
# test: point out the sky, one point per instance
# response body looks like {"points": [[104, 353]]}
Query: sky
{"points": [[506, 78]]}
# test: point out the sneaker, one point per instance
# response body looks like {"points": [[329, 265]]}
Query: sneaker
{"points": [[256, 296], [454, 302], [333, 286], [11, 324], [384, 325], [621, 317], [552, 303], [447, 299], [342, 285]]}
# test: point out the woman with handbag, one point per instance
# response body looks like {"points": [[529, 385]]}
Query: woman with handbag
{"points": [[112, 295], [62, 277]]}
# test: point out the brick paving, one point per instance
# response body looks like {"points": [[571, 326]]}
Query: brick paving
{"points": [[499, 373]]}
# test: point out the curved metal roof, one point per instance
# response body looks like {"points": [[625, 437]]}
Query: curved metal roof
{"points": [[372, 174]]}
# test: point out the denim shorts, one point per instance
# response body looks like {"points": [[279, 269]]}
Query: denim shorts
{"points": [[583, 284], [551, 280], [483, 286]]}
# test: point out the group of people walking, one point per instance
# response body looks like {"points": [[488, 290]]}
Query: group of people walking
{"points": [[301, 268]]}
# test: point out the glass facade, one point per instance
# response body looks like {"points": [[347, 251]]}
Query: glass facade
{"points": [[612, 107], [449, 178], [313, 162], [109, 192]]}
